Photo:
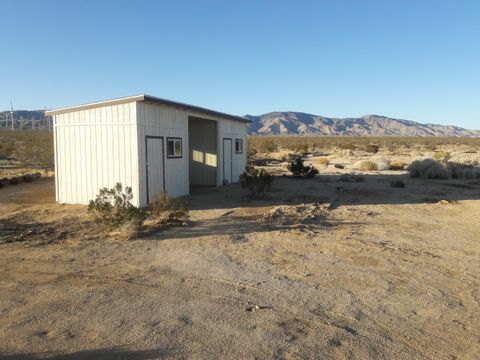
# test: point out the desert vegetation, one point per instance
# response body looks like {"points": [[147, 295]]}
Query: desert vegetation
{"points": [[256, 181]]}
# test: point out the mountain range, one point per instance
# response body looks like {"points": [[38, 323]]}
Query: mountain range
{"points": [[298, 123]]}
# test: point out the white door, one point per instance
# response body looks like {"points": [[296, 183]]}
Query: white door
{"points": [[155, 168], [227, 161]]}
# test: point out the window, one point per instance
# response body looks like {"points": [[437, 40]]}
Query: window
{"points": [[238, 146], [174, 147]]}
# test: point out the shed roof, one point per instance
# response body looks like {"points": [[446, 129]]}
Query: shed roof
{"points": [[149, 99]]}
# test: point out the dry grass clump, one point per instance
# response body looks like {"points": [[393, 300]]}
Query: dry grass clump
{"points": [[323, 161], [441, 156], [397, 165], [166, 210], [366, 165]]}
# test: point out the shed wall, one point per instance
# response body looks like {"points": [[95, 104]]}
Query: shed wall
{"points": [[234, 130], [155, 120], [95, 148]]}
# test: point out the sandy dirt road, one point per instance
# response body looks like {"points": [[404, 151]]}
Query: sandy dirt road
{"points": [[382, 273]]}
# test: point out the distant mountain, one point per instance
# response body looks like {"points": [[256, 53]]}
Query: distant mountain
{"points": [[297, 123]]}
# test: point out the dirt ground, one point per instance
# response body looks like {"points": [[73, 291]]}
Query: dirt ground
{"points": [[370, 272]]}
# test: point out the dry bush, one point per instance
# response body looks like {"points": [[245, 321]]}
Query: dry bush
{"points": [[366, 165], [112, 208], [427, 169], [372, 148], [381, 162], [300, 170], [166, 210], [397, 165], [256, 181], [323, 161]]}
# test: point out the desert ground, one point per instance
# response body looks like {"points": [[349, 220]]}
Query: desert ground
{"points": [[332, 267]]}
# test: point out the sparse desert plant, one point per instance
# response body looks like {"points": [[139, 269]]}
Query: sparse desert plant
{"points": [[323, 161], [256, 181], [112, 208], [299, 169], [372, 148], [366, 165], [166, 210], [397, 184], [382, 163], [397, 165], [427, 169]]}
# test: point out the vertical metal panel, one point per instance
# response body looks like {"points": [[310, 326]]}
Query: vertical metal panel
{"points": [[95, 148]]}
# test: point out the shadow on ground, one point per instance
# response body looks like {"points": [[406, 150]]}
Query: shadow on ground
{"points": [[99, 354]]}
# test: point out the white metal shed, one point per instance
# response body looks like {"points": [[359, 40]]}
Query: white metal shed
{"points": [[147, 143]]}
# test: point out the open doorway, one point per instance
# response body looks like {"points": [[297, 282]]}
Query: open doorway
{"points": [[203, 156]]}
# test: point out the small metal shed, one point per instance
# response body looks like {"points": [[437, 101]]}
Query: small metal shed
{"points": [[151, 144]]}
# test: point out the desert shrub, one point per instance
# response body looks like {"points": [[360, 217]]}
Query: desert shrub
{"points": [[397, 165], [299, 169], [372, 148], [463, 171], [397, 184], [112, 208], [256, 181], [381, 163], [366, 165], [323, 161], [427, 169], [166, 210]]}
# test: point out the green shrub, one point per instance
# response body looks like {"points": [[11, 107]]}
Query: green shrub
{"points": [[256, 181], [372, 148], [165, 210], [112, 208], [427, 169], [299, 169]]}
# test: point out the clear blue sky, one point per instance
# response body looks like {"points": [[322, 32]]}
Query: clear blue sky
{"points": [[418, 60]]}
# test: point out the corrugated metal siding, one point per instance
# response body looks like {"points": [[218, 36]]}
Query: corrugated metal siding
{"points": [[155, 120], [95, 148]]}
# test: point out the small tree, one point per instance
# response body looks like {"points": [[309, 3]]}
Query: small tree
{"points": [[256, 181], [299, 169], [112, 207]]}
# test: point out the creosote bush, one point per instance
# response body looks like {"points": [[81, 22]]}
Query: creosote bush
{"points": [[427, 169], [256, 181], [112, 208], [165, 210], [299, 169]]}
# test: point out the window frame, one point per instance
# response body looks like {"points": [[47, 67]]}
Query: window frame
{"points": [[241, 142], [181, 147]]}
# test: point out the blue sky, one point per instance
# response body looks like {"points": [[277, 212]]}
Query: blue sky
{"points": [[418, 60]]}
